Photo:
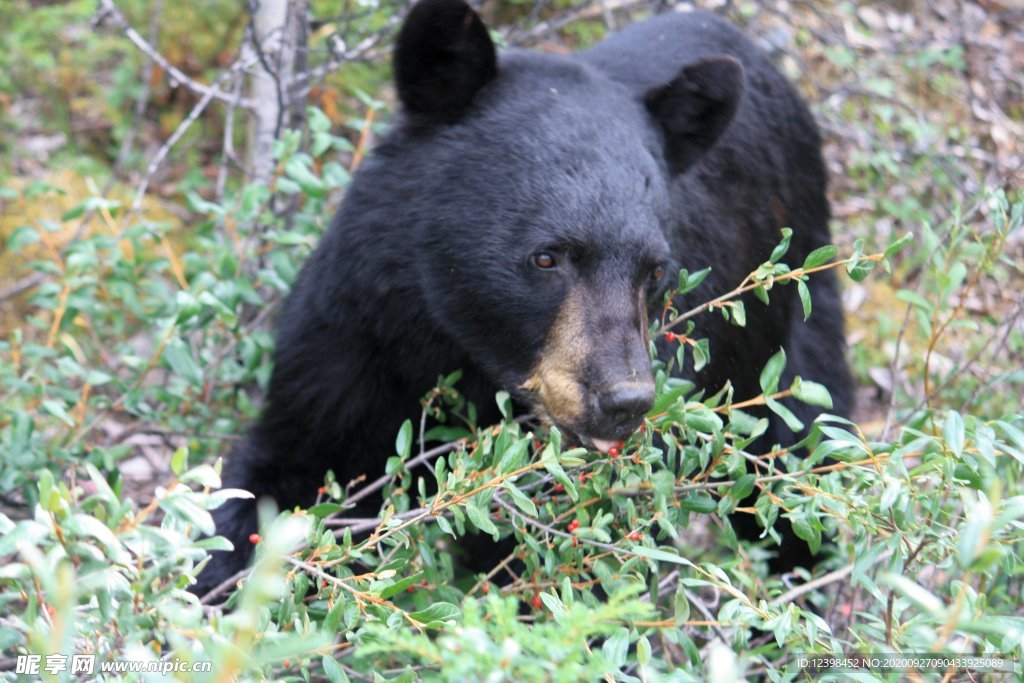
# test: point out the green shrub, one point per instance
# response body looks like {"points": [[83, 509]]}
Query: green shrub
{"points": [[629, 568]]}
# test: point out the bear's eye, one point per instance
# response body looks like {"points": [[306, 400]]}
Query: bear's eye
{"points": [[657, 273], [544, 260]]}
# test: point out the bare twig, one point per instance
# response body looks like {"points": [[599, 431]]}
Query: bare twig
{"points": [[823, 580], [224, 586], [108, 11], [604, 9], [192, 117], [25, 283], [368, 49], [381, 482]]}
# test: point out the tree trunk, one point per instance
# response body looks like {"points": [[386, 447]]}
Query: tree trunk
{"points": [[279, 40]]}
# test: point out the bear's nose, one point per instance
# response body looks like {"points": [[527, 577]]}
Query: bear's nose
{"points": [[624, 403]]}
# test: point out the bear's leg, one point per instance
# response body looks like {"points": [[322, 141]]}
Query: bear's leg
{"points": [[251, 468]]}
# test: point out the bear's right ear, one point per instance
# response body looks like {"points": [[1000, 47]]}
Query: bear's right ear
{"points": [[443, 57], [696, 107]]}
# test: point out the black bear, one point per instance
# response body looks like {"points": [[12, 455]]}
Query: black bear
{"points": [[521, 220]]}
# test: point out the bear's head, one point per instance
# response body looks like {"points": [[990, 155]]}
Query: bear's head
{"points": [[540, 204]]}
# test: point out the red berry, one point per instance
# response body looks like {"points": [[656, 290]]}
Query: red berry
{"points": [[322, 490], [486, 588], [613, 452], [558, 488], [254, 538], [536, 600], [574, 525], [671, 336], [409, 589], [635, 536]]}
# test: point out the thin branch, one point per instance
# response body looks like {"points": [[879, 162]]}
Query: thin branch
{"points": [[823, 580], [25, 283], [366, 50], [192, 117], [604, 10], [380, 482], [108, 11]]}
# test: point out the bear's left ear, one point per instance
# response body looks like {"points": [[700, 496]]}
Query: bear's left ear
{"points": [[696, 107], [443, 57]]}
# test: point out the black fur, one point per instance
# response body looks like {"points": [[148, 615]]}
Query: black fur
{"points": [[674, 141]]}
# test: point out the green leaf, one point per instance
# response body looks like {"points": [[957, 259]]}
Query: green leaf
{"points": [[659, 555], [811, 393], [820, 256], [403, 442], [805, 297], [335, 174], [669, 397], [914, 299], [549, 459], [57, 409], [480, 519], [310, 185], [504, 402], [320, 143], [858, 268], [688, 282], [773, 372], [739, 313], [438, 614], [973, 537], [643, 651], [21, 236], [400, 585], [701, 354], [898, 244], [681, 607], [92, 204], [520, 499], [743, 486], [953, 432], [616, 648], [179, 461], [782, 247], [179, 358], [317, 120], [572, 457], [700, 502], [444, 525], [915, 593], [9, 638], [791, 420], [333, 670], [322, 510], [701, 418], [762, 294], [554, 605], [803, 528]]}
